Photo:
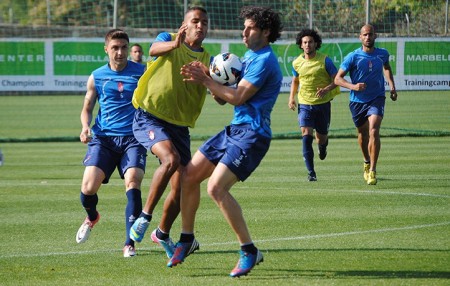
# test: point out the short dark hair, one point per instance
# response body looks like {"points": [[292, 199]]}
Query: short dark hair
{"points": [[264, 18], [194, 8], [136, 45], [116, 34], [309, 33]]}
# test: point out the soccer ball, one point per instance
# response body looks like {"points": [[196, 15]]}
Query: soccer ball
{"points": [[226, 68]]}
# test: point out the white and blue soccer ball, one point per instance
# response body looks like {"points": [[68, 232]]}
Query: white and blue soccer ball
{"points": [[226, 68]]}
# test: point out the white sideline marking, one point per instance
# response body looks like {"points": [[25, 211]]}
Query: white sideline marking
{"points": [[314, 236]]}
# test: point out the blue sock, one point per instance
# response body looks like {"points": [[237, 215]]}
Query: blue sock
{"points": [[132, 211], [308, 153], [89, 203]]}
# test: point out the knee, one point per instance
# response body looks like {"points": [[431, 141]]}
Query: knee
{"points": [[134, 183], [215, 192], [170, 162], [88, 190], [374, 132]]}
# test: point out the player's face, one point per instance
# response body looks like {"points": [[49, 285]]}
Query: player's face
{"points": [[197, 26], [308, 45], [253, 37], [367, 37], [136, 54], [117, 50]]}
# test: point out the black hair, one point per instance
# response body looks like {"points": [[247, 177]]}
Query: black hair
{"points": [[264, 18], [194, 8], [310, 33]]}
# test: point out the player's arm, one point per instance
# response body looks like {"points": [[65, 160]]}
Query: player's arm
{"points": [[331, 70], [341, 81], [87, 110], [163, 46], [195, 73], [390, 79], [292, 104]]}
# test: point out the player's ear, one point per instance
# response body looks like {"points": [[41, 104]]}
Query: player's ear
{"points": [[106, 49]]}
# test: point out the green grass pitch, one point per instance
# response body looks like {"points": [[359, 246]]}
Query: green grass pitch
{"points": [[336, 231]]}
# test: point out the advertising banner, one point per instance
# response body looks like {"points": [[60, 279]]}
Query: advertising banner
{"points": [[65, 64]]}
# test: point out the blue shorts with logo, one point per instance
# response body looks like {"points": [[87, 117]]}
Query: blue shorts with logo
{"points": [[361, 111], [150, 130], [316, 116], [239, 147], [109, 152]]}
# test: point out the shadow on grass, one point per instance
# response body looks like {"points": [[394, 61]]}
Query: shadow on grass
{"points": [[364, 274], [274, 273]]}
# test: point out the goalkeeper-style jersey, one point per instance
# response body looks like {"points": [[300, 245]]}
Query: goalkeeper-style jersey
{"points": [[162, 92]]}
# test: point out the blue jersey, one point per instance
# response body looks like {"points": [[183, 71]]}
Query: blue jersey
{"points": [[367, 68], [261, 69], [115, 91]]}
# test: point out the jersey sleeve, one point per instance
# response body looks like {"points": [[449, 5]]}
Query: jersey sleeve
{"points": [[294, 72], [258, 70], [330, 67], [163, 37]]}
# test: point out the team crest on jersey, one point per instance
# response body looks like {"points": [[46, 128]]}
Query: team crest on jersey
{"points": [[151, 135], [120, 86], [370, 66]]}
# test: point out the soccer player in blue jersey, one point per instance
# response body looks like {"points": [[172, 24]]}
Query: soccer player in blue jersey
{"points": [[166, 108], [111, 143], [366, 66], [314, 72], [136, 54], [233, 154]]}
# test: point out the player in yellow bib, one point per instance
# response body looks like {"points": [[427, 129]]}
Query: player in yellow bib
{"points": [[162, 92], [314, 73], [166, 108]]}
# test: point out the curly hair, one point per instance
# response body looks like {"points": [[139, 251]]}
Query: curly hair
{"points": [[264, 18], [310, 33]]}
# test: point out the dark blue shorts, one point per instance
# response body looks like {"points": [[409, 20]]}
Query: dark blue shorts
{"points": [[239, 147], [109, 152], [361, 111], [316, 116], [150, 130]]}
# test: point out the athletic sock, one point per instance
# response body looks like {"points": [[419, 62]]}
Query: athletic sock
{"points": [[187, 237], [146, 216], [132, 211], [249, 248], [161, 234], [89, 203], [308, 153]]}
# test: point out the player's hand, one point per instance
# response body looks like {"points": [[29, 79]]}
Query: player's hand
{"points": [[86, 136], [181, 35], [195, 72], [360, 86], [292, 104], [321, 92], [394, 95]]}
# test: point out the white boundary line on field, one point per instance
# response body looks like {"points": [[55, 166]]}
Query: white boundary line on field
{"points": [[304, 237]]}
